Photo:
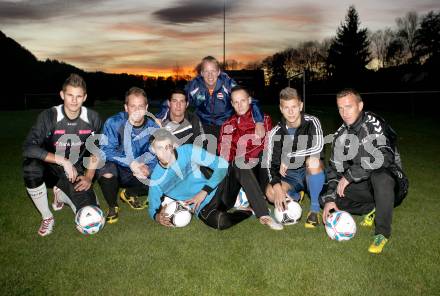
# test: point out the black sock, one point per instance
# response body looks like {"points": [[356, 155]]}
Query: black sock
{"points": [[109, 188]]}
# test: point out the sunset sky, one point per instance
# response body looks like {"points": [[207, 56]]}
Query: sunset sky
{"points": [[151, 37]]}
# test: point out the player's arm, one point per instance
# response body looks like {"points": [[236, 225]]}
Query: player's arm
{"points": [[155, 210], [84, 183], [217, 164], [112, 150]]}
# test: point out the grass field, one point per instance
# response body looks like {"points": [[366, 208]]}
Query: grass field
{"points": [[138, 257]]}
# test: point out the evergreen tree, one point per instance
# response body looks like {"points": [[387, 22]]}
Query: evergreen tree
{"points": [[349, 52]]}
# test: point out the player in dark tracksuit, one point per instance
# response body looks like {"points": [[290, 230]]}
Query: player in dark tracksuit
{"points": [[183, 124], [365, 173], [55, 154]]}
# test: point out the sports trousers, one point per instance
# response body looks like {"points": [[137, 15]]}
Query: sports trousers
{"points": [[215, 214], [36, 172], [381, 191]]}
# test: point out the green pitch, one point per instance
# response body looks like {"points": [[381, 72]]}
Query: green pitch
{"points": [[138, 257]]}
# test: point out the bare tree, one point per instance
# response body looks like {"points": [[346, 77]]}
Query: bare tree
{"points": [[407, 29], [380, 42], [177, 71]]}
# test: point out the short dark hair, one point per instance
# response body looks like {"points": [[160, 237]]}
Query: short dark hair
{"points": [[75, 80], [349, 91], [240, 87], [289, 93], [137, 91], [177, 91]]}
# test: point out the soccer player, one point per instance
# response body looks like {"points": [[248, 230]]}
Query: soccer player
{"points": [[178, 177], [365, 173], [185, 125], [293, 159], [209, 93], [55, 152], [238, 141], [128, 160]]}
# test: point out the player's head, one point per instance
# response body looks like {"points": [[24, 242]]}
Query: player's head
{"points": [[162, 144], [178, 103], [350, 105], [136, 105], [210, 70], [240, 99], [74, 94], [291, 106]]}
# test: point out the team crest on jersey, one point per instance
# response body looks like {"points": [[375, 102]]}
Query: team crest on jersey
{"points": [[220, 96]]}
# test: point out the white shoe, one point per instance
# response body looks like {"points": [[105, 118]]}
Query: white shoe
{"points": [[46, 226], [57, 204], [269, 221]]}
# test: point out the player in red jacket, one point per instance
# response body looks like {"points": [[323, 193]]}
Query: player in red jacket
{"points": [[238, 141]]}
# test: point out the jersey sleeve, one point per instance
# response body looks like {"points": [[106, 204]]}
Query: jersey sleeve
{"points": [[33, 145], [273, 156], [217, 164], [154, 195], [256, 111], [112, 150]]}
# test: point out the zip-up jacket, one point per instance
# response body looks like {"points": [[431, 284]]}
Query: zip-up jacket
{"points": [[127, 142], [216, 108], [238, 139], [187, 130], [358, 149], [292, 150]]}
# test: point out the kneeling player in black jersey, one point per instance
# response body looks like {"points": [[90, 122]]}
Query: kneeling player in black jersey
{"points": [[55, 154]]}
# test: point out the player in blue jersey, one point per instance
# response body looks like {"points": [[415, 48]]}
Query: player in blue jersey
{"points": [[128, 160], [178, 176]]}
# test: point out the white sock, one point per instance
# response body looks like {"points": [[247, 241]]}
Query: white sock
{"points": [[65, 199], [39, 197]]}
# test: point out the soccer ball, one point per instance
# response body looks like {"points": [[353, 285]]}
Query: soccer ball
{"points": [[89, 220], [291, 215], [340, 226], [241, 201], [179, 213]]}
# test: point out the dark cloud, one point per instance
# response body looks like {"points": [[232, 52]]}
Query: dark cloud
{"points": [[40, 9], [193, 11]]}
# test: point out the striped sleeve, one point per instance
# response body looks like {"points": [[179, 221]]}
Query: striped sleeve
{"points": [[316, 144], [273, 158]]}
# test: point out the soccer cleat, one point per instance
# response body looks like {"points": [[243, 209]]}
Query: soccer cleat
{"points": [[269, 221], [57, 205], [46, 226], [301, 197], [132, 201], [312, 220], [112, 215], [378, 244], [368, 220]]}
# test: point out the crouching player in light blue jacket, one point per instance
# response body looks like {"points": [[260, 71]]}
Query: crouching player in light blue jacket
{"points": [[178, 177]]}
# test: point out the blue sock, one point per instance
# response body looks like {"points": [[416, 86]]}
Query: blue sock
{"points": [[315, 184]]}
